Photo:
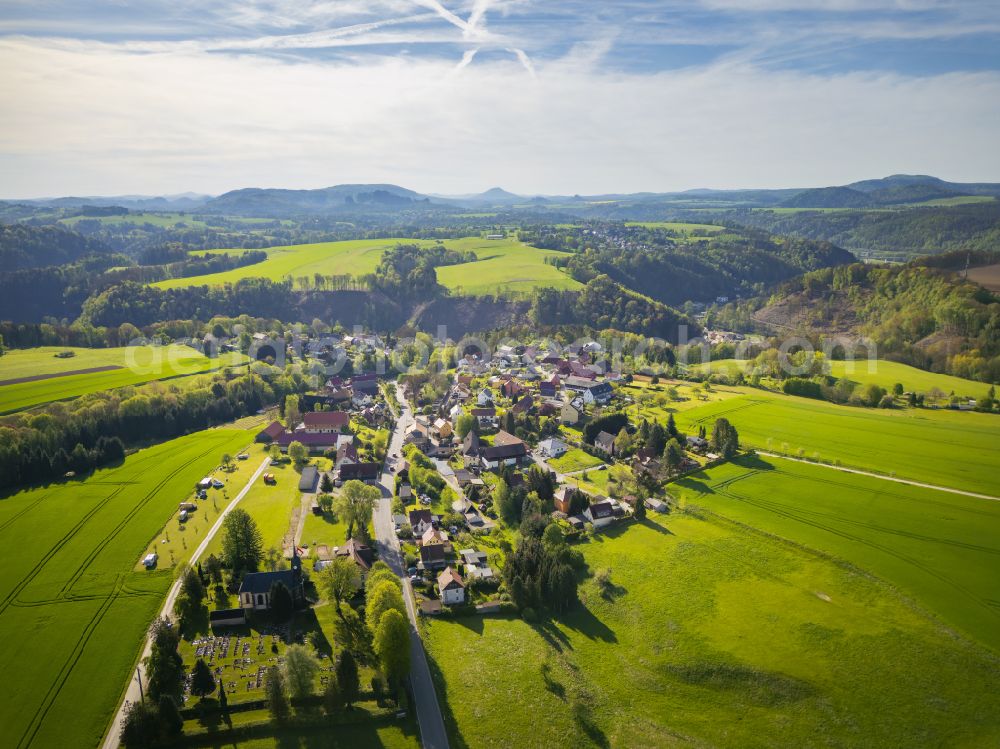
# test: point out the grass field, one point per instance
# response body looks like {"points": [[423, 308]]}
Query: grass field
{"points": [[716, 636], [271, 506], [502, 264], [941, 447], [139, 364], [679, 226], [986, 275], [574, 460], [73, 612], [939, 548]]}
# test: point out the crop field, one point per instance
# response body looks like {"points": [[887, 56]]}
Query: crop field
{"points": [[679, 226], [960, 450], [502, 264], [73, 612], [941, 549], [135, 365], [986, 275], [715, 635], [162, 220]]}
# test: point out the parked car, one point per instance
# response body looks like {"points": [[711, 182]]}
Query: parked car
{"points": [[411, 571], [243, 456], [217, 484], [202, 494]]}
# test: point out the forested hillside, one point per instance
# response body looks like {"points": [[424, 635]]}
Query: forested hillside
{"points": [[23, 246], [673, 269], [904, 233], [920, 315]]}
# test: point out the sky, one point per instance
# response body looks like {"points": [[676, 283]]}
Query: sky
{"points": [[113, 97]]}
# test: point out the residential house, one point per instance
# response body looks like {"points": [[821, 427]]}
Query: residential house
{"points": [[365, 383], [508, 454], [420, 521], [434, 536], [523, 406], [471, 445], [600, 513], [473, 558], [563, 499], [569, 414], [548, 388], [697, 443], [656, 505], [577, 384], [313, 442], [511, 388], [346, 453], [599, 393], [366, 472], [552, 447], [485, 397], [432, 557], [451, 587], [486, 416], [605, 442], [359, 553]]}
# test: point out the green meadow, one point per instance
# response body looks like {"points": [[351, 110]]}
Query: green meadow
{"points": [[501, 264], [712, 634], [878, 371], [939, 548], [679, 226], [956, 449], [73, 611], [574, 460], [137, 365]]}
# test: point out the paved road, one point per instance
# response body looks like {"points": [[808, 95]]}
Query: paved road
{"points": [[132, 693], [432, 733], [882, 476]]}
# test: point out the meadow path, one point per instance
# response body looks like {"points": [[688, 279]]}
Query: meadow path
{"points": [[111, 739], [882, 476]]}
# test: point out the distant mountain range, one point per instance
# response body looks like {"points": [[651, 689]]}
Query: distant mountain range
{"points": [[898, 189]]}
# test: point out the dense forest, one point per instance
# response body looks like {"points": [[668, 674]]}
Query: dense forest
{"points": [[24, 246], [891, 233]]}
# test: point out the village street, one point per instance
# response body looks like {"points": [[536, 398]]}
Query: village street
{"points": [[432, 732]]}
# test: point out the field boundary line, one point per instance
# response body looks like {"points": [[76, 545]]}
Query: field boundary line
{"points": [[111, 737], [859, 472]]}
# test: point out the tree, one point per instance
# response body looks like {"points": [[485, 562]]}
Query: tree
{"points": [[300, 669], [190, 606], [640, 509], [140, 725], [298, 452], [672, 431], [339, 580], [379, 573], [227, 461], [326, 483], [332, 698], [347, 678], [560, 585], [503, 503], [277, 699], [282, 605], [623, 443], [725, 439], [392, 646], [292, 413], [242, 543], [355, 505], [552, 535], [171, 722], [274, 453], [897, 389], [673, 456], [164, 665], [657, 439], [464, 424], [386, 596], [202, 681]]}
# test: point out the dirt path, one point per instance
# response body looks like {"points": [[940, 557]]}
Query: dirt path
{"points": [[859, 472], [39, 377]]}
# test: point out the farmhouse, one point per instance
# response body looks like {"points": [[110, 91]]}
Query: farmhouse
{"points": [[255, 591], [326, 422], [318, 442], [270, 433], [451, 587], [486, 416]]}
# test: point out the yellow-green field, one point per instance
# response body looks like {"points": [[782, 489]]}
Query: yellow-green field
{"points": [[502, 264], [137, 364]]}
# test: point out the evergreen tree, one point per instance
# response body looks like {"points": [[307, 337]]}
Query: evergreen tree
{"points": [[277, 699], [164, 665], [348, 679], [242, 543], [202, 680]]}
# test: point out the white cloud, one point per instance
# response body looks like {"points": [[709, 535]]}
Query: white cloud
{"points": [[85, 119]]}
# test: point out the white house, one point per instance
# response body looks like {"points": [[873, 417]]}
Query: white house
{"points": [[485, 397], [600, 513], [552, 448], [452, 588], [599, 393]]}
